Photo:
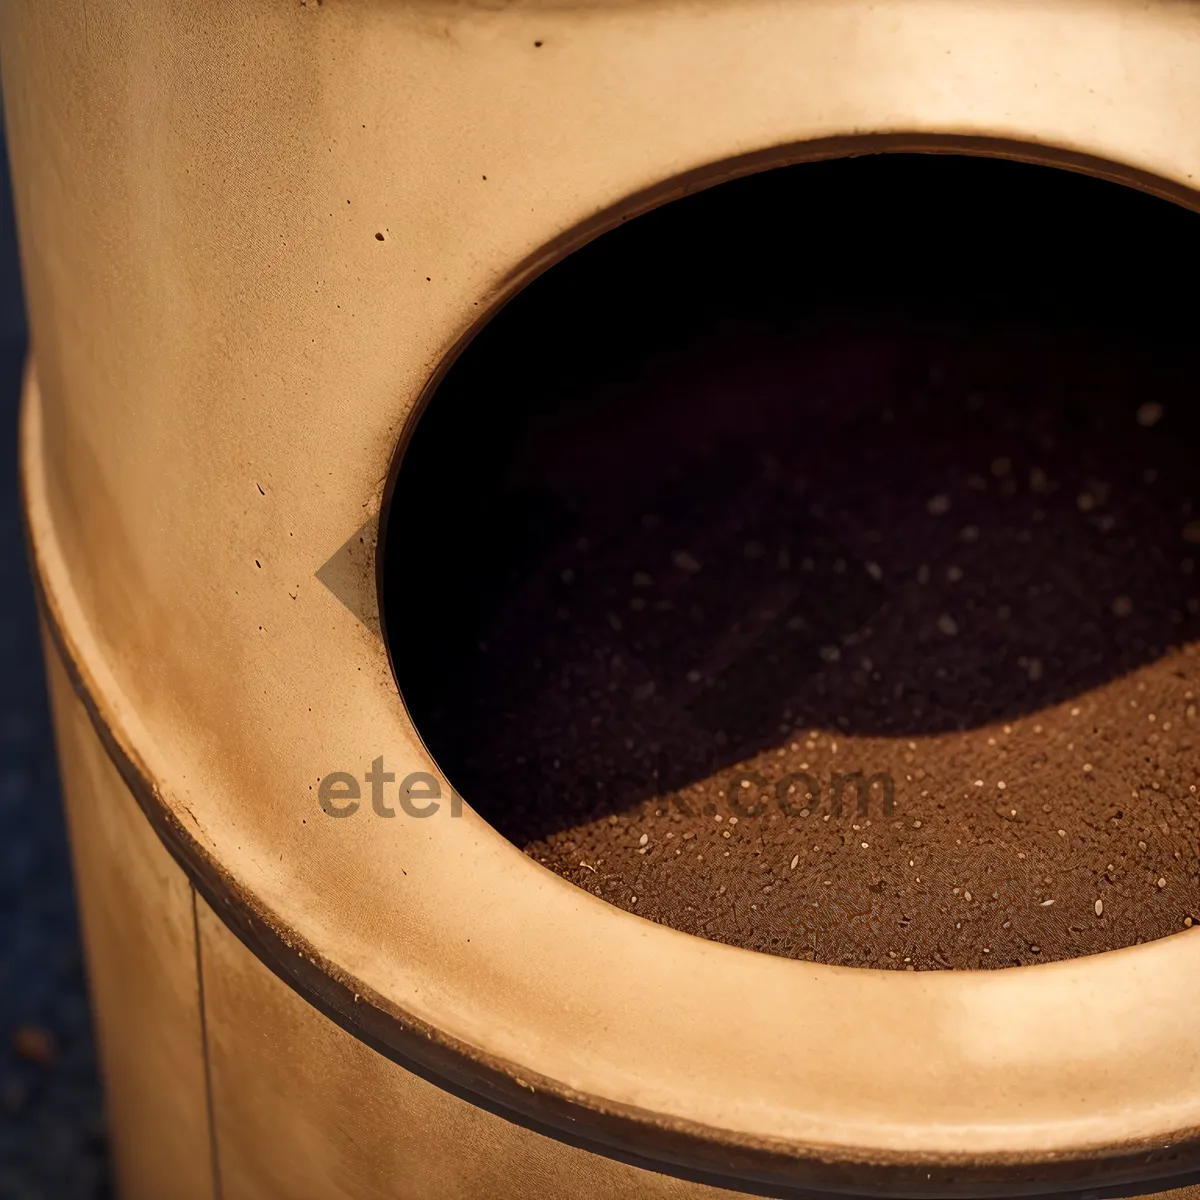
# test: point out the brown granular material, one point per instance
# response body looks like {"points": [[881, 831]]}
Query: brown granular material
{"points": [[955, 561]]}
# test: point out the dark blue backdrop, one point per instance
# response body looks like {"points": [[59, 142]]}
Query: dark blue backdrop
{"points": [[51, 1125]]}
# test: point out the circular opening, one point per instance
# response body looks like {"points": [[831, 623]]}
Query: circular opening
{"points": [[809, 565]]}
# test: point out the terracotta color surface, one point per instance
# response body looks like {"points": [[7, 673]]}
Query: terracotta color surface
{"points": [[300, 1107], [253, 234], [139, 929]]}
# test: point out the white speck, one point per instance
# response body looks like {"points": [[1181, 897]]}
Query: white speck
{"points": [[966, 896], [1099, 908], [643, 839], [830, 653], [1047, 903], [1162, 883], [1087, 768], [795, 860], [874, 570], [865, 845], [979, 783]]}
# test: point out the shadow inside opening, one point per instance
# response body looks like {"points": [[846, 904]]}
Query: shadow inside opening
{"points": [[809, 565]]}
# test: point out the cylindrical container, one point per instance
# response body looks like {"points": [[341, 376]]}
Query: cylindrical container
{"points": [[255, 233]]}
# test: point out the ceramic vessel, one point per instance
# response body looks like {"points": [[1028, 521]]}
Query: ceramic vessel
{"points": [[255, 233]]}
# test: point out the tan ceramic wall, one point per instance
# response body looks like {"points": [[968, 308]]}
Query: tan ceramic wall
{"points": [[201, 188], [139, 930], [302, 1110]]}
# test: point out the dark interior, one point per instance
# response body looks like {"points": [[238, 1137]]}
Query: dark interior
{"points": [[882, 458]]}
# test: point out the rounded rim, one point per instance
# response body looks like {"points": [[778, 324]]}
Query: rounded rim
{"points": [[777, 1073]]}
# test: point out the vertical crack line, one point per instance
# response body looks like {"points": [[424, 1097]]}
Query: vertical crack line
{"points": [[214, 1158]]}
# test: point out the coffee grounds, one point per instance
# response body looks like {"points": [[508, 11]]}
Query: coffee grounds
{"points": [[865, 641]]}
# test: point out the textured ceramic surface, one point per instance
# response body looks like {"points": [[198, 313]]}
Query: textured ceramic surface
{"points": [[253, 234]]}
